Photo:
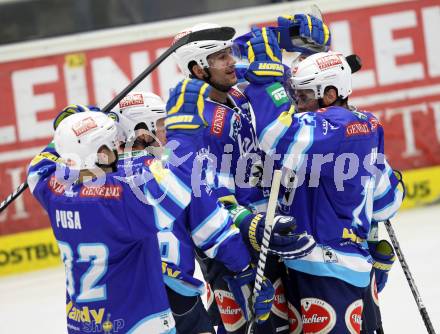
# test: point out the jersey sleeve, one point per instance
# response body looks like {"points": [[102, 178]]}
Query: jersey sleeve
{"points": [[213, 232], [40, 169], [388, 195]]}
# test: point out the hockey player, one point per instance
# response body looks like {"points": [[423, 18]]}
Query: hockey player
{"points": [[381, 251], [220, 127], [102, 231], [180, 238], [175, 242], [323, 80]]}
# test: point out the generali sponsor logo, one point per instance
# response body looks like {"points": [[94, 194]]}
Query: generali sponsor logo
{"points": [[218, 121], [131, 101], [55, 186], [84, 126], [327, 62], [230, 311], [353, 316], [356, 129], [107, 192], [318, 316], [295, 323]]}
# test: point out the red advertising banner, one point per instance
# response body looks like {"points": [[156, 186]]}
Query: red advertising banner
{"points": [[399, 81]]}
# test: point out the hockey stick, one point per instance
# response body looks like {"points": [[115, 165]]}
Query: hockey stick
{"points": [[409, 278], [223, 33], [268, 225]]}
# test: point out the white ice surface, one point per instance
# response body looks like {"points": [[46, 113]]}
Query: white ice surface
{"points": [[34, 303]]}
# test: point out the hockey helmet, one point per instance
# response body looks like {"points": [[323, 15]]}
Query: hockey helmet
{"points": [[210, 38], [322, 70], [140, 108]]}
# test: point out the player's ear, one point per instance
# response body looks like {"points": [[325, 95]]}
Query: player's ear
{"points": [[330, 96]]}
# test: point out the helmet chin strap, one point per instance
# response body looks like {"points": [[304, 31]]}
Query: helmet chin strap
{"points": [[207, 78]]}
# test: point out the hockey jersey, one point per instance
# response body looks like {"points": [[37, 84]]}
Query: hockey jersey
{"points": [[341, 179], [108, 244], [108, 233], [228, 154]]}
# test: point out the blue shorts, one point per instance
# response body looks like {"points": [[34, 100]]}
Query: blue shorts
{"points": [[224, 310], [319, 304], [371, 317]]}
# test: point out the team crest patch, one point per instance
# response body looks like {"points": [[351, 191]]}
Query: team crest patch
{"points": [[277, 93], [353, 317], [295, 323], [374, 124], [209, 296], [318, 316], [230, 311], [279, 306], [235, 93]]}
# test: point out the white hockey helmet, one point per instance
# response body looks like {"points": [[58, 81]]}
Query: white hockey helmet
{"points": [[79, 137], [321, 70], [137, 108], [217, 38]]}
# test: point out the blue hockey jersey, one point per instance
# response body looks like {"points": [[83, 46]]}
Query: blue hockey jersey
{"points": [[342, 181], [228, 149], [203, 224], [108, 239]]}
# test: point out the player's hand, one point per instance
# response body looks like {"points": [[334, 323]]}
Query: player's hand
{"points": [[303, 33], [264, 301], [265, 58], [187, 98], [287, 244], [70, 110], [384, 257], [241, 286]]}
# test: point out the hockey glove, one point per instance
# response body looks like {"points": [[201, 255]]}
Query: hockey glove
{"points": [[264, 55], [303, 33], [384, 257], [283, 242], [241, 286], [187, 99], [70, 110]]}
